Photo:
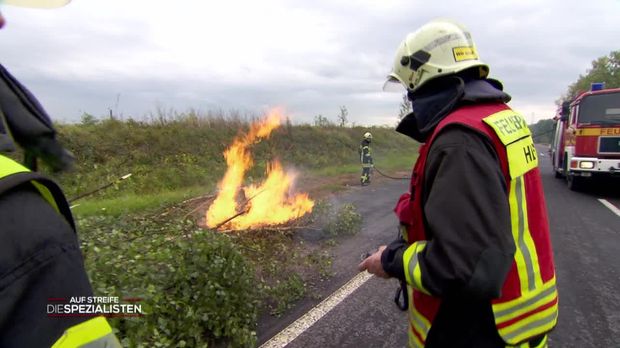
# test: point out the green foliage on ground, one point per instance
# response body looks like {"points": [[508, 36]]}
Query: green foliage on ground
{"points": [[336, 221], [280, 267], [282, 294], [195, 286], [201, 288], [345, 221]]}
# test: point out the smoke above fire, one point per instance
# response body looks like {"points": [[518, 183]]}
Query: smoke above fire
{"points": [[268, 203]]}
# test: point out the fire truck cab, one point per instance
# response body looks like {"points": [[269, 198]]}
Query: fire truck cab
{"points": [[586, 143]]}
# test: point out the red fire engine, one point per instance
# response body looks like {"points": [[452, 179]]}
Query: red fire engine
{"points": [[586, 143]]}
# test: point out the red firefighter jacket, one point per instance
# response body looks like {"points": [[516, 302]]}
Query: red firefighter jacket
{"points": [[527, 305]]}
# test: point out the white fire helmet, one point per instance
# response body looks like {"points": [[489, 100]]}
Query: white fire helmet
{"points": [[440, 47], [367, 136], [36, 3]]}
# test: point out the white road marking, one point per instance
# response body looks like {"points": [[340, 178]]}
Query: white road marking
{"points": [[610, 206], [302, 324]]}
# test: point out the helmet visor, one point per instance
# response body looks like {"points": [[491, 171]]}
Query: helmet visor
{"points": [[392, 84], [36, 3]]}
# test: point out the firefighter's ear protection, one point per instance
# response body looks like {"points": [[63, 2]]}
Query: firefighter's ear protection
{"points": [[416, 60]]}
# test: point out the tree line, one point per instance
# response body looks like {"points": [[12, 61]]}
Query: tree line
{"points": [[604, 69]]}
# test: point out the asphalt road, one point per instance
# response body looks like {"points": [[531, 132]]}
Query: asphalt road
{"points": [[586, 241], [363, 317]]}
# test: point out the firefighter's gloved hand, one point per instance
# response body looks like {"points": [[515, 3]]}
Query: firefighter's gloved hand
{"points": [[52, 153], [372, 264]]}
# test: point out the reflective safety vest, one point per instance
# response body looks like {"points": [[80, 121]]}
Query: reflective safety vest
{"points": [[365, 156], [95, 332], [528, 305], [13, 174]]}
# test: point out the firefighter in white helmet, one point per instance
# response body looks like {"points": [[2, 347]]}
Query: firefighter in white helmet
{"points": [[40, 257], [365, 158], [474, 249]]}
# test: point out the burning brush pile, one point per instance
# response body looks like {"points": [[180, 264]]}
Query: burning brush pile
{"points": [[270, 203]]}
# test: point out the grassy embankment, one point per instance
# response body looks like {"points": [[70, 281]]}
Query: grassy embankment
{"points": [[177, 159], [198, 287]]}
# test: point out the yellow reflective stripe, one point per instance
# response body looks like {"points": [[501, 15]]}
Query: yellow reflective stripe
{"points": [[84, 333], [525, 239], [543, 343], [414, 341], [534, 325], [406, 258], [515, 220], [526, 256], [509, 126], [47, 195], [9, 167], [416, 319], [413, 272], [527, 302]]}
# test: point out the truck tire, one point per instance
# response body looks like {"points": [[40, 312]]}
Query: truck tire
{"points": [[556, 170], [575, 183]]}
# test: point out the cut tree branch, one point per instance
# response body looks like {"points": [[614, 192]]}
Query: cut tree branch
{"points": [[245, 210]]}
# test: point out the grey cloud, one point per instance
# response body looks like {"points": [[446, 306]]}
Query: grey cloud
{"points": [[535, 50]]}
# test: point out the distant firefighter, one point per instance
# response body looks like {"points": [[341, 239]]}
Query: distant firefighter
{"points": [[365, 158]]}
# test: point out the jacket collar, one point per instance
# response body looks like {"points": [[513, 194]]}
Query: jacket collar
{"points": [[434, 102]]}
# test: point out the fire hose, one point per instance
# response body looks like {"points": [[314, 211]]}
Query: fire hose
{"points": [[390, 177]]}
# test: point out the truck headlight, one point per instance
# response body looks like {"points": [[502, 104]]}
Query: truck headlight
{"points": [[586, 164]]}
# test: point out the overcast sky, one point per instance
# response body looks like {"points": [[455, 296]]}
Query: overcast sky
{"points": [[310, 56]]}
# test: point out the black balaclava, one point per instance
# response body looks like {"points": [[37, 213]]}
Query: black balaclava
{"points": [[24, 121], [437, 98]]}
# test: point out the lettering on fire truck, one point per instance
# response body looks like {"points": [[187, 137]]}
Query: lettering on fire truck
{"points": [[610, 131], [598, 131]]}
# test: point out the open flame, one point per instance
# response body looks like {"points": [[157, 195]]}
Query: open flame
{"points": [[269, 203]]}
